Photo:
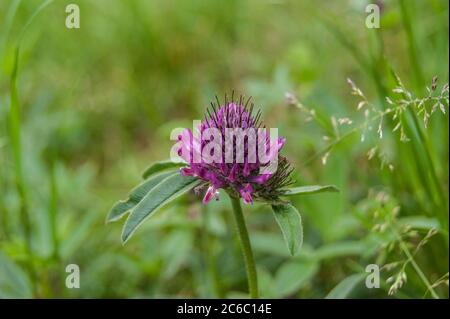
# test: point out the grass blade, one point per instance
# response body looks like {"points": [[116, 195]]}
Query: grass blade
{"points": [[14, 121]]}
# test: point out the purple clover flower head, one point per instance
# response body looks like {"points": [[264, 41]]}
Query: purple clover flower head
{"points": [[232, 150]]}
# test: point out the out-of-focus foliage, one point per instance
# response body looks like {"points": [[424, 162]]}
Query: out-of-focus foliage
{"points": [[97, 104]]}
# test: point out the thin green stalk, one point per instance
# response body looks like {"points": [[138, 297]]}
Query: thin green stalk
{"points": [[423, 139], [6, 26], [357, 268], [52, 210], [246, 247], [427, 151], [4, 230], [16, 146], [431, 180], [413, 263], [4, 216], [14, 121], [418, 270]]}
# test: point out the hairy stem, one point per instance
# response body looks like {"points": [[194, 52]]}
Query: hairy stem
{"points": [[246, 247]]}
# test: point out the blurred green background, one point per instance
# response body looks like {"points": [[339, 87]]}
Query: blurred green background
{"points": [[97, 105]]}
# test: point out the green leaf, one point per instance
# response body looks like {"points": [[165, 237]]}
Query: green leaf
{"points": [[420, 222], [160, 166], [290, 222], [136, 195], [14, 282], [345, 287], [269, 243], [311, 189], [166, 191], [266, 283], [292, 276]]}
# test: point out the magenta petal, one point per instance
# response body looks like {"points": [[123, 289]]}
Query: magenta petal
{"points": [[187, 171], [214, 180], [210, 193], [261, 179], [239, 177], [223, 168], [281, 142], [233, 173], [272, 152], [246, 193], [246, 170]]}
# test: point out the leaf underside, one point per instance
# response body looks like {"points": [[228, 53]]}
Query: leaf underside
{"points": [[167, 190], [160, 166], [136, 195], [290, 222], [311, 189]]}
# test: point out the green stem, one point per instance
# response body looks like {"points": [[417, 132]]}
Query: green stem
{"points": [[15, 138], [416, 267], [418, 270], [246, 247]]}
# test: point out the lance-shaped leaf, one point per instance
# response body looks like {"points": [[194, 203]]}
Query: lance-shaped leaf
{"points": [[122, 207], [345, 287], [166, 191], [160, 166], [311, 189], [290, 222]]}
